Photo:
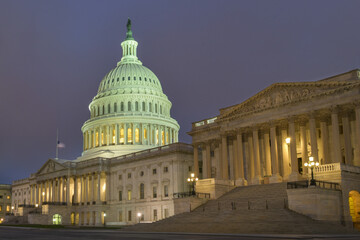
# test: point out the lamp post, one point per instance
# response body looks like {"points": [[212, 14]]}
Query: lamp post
{"points": [[104, 218], [139, 216], [311, 164], [192, 180]]}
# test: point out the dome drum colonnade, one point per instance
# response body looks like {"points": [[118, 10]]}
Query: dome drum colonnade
{"points": [[130, 108]]}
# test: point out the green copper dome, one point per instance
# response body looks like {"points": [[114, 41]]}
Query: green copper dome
{"points": [[130, 112]]}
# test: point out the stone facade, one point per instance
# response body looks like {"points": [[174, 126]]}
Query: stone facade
{"points": [[269, 137], [5, 201]]}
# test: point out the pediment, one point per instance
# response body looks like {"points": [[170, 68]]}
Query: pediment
{"points": [[51, 166], [280, 94]]}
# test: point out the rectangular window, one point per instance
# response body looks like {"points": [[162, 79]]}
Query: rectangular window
{"points": [[120, 177], [120, 196], [166, 191], [1, 196], [166, 169], [154, 192], [113, 135], [129, 195], [142, 191], [129, 175], [129, 216], [129, 136], [122, 138], [8, 208], [145, 133], [155, 215], [137, 135], [154, 171]]}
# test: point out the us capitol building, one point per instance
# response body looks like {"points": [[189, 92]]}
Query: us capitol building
{"points": [[133, 169]]}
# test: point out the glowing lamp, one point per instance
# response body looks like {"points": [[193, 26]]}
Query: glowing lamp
{"points": [[43, 193], [192, 175], [12, 207], [36, 205], [104, 214], [287, 140], [196, 179], [188, 180], [306, 164], [311, 159], [139, 214]]}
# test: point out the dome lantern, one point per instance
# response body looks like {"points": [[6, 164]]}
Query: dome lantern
{"points": [[129, 47]]}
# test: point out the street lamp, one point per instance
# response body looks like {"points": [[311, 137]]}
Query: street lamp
{"points": [[139, 216], [192, 180], [104, 218], [311, 164], [287, 140]]}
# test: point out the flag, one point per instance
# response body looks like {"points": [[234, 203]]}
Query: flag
{"points": [[60, 144]]}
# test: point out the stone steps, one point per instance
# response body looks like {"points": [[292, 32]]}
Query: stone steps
{"points": [[209, 218]]}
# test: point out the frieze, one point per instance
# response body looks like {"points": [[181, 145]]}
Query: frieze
{"points": [[284, 93]]}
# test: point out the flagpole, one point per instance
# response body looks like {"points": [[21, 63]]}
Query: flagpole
{"points": [[57, 143]]}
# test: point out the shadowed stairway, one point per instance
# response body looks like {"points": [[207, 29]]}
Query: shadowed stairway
{"points": [[250, 209]]}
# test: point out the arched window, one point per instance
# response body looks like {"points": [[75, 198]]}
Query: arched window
{"points": [[160, 109], [122, 106], [129, 106], [156, 110], [142, 191], [143, 106], [115, 107], [137, 135], [136, 106], [103, 110], [122, 138], [129, 135], [109, 110]]}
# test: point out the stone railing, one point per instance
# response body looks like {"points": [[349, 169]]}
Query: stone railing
{"points": [[327, 168], [204, 122]]}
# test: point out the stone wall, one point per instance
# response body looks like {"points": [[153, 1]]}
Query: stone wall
{"points": [[317, 203], [215, 187]]}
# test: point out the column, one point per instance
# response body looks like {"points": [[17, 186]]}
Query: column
{"points": [[251, 164], [81, 190], [234, 161], [357, 135], [275, 177], [304, 151], [37, 194], [53, 191], [313, 139], [94, 138], [100, 136], [294, 176], [224, 157], [117, 134], [125, 133], [208, 160], [267, 153], [257, 177], [93, 187], [347, 140], [89, 139], [108, 135], [219, 161], [286, 169], [68, 190], [204, 162], [86, 189], [325, 142], [98, 188], [335, 136], [196, 160], [107, 187], [240, 178], [75, 190]]}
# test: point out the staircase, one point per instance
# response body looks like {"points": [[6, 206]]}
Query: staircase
{"points": [[250, 209]]}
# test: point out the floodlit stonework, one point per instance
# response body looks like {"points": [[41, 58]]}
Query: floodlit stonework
{"points": [[268, 138], [131, 165]]}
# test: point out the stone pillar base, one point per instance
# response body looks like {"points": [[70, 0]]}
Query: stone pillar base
{"points": [[275, 178], [241, 182], [294, 176], [255, 181]]}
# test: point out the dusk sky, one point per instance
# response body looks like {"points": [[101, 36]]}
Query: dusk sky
{"points": [[206, 54]]}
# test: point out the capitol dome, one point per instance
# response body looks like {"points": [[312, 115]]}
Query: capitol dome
{"points": [[130, 111]]}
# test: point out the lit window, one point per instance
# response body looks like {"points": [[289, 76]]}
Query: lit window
{"points": [[0, 208], [129, 136], [102, 138], [167, 137], [157, 136], [145, 133], [137, 135], [122, 139], [162, 138], [113, 135], [8, 197], [129, 195], [8, 208], [97, 138]]}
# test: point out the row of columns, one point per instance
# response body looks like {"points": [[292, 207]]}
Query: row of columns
{"points": [[287, 159], [141, 134], [84, 189]]}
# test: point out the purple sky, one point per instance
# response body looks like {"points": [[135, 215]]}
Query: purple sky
{"points": [[207, 55]]}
